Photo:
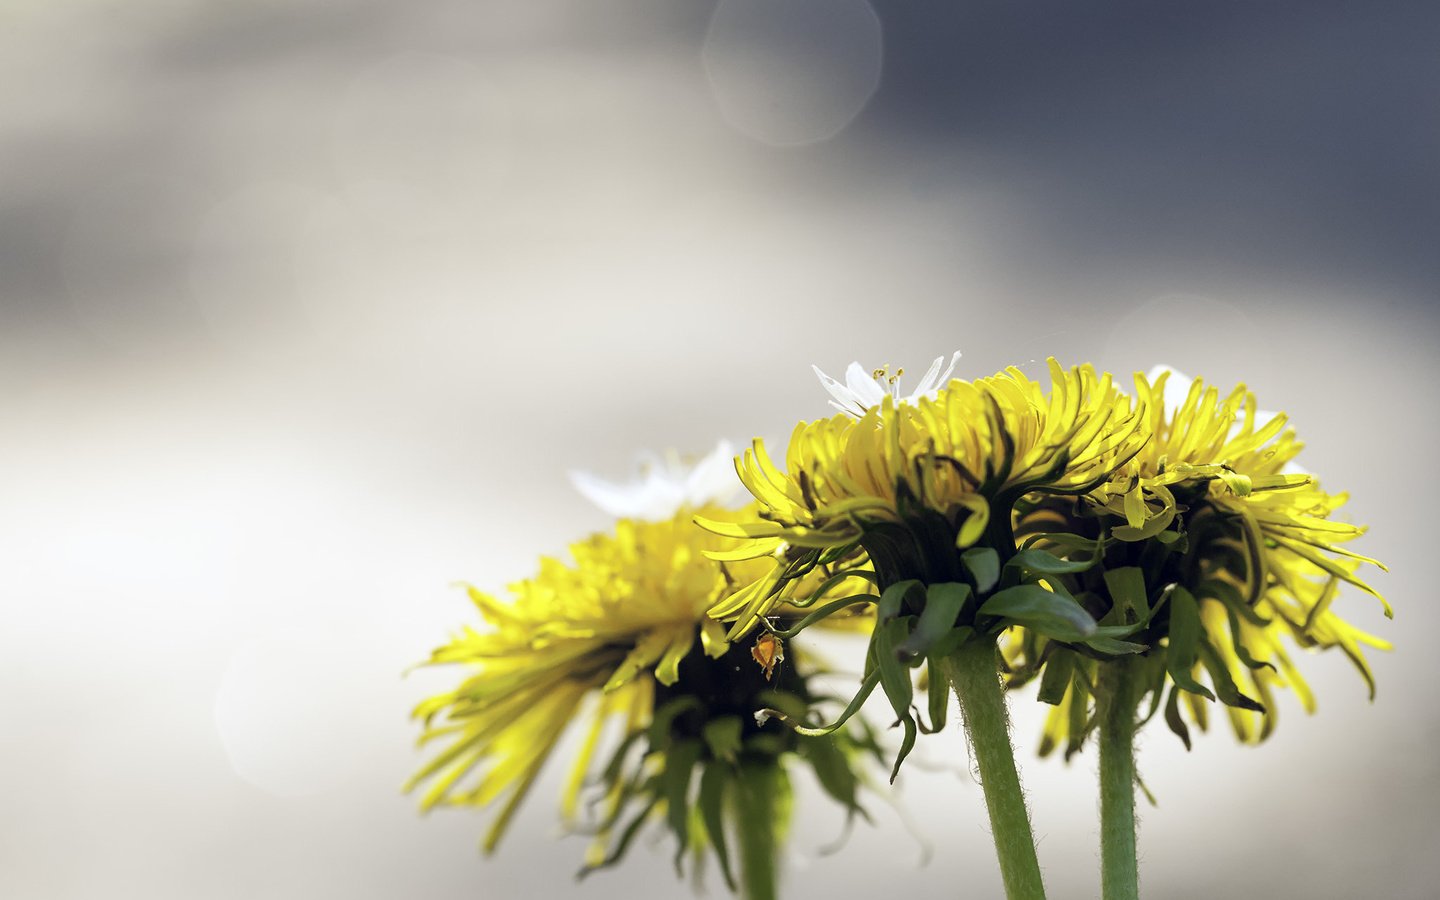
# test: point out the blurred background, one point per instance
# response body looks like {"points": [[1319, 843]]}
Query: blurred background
{"points": [[306, 308]]}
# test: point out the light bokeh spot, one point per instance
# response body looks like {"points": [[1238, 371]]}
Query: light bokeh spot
{"points": [[791, 72], [294, 706]]}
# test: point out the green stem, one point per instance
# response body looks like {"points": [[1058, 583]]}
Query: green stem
{"points": [[758, 808], [1115, 699], [974, 673]]}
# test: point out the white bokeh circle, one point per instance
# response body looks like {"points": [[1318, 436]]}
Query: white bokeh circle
{"points": [[296, 709], [791, 72], [244, 267]]}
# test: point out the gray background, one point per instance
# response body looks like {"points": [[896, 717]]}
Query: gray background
{"points": [[307, 307]]}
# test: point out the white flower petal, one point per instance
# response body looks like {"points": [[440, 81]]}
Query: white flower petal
{"points": [[618, 500], [713, 479], [665, 484], [862, 390], [863, 385], [932, 375], [844, 398], [934, 379]]}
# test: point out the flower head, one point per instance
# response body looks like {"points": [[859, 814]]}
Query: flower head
{"points": [[914, 484], [917, 498], [620, 636], [1209, 553]]}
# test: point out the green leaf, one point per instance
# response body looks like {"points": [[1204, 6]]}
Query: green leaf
{"points": [[1039, 562], [722, 735], [1127, 592], [1056, 678], [894, 677], [942, 608], [712, 814], [1184, 646], [1051, 614], [983, 565]]}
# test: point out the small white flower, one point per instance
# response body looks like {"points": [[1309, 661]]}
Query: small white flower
{"points": [[663, 485], [863, 390]]}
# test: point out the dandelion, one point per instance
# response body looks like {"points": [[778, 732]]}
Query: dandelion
{"points": [[916, 494], [1206, 553], [619, 639]]}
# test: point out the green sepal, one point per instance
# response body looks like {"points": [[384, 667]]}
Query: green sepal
{"points": [[680, 760], [627, 836], [1127, 593], [1080, 721], [906, 745], [894, 676], [1055, 679], [1040, 562], [1173, 719], [825, 611], [938, 693], [1230, 598], [1224, 685], [1153, 678], [942, 608], [666, 715], [983, 566], [1237, 641], [713, 782], [833, 771], [1110, 646], [762, 806], [867, 687], [951, 642], [1065, 541], [1184, 646], [892, 601], [722, 736], [1053, 615]]}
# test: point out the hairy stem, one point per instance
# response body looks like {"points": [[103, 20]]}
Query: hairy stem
{"points": [[1115, 699], [974, 674]]}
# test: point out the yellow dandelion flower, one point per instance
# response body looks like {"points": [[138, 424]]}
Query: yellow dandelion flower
{"points": [[620, 636], [1212, 553], [914, 482], [914, 494]]}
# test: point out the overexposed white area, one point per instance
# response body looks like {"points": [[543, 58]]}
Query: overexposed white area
{"points": [[313, 310]]}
